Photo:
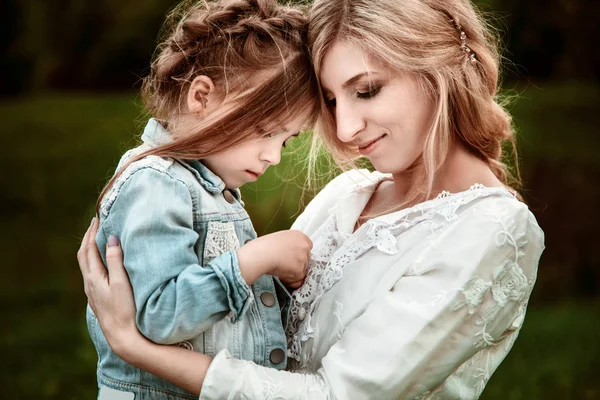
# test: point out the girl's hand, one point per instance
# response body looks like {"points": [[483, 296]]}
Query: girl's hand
{"points": [[284, 254], [109, 293]]}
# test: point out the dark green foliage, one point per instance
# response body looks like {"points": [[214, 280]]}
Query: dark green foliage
{"points": [[60, 149]]}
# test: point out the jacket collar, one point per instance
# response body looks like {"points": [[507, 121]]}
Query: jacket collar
{"points": [[155, 135]]}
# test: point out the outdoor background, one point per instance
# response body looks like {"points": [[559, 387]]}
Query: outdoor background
{"points": [[69, 108]]}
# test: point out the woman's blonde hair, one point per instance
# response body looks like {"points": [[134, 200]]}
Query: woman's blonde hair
{"points": [[424, 37], [254, 50]]}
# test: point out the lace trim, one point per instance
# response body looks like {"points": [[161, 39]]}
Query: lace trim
{"points": [[220, 238], [333, 250]]}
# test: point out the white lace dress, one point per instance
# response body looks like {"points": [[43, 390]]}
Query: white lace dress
{"points": [[422, 303]]}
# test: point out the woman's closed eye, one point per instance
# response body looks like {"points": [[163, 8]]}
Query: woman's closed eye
{"points": [[369, 93]]}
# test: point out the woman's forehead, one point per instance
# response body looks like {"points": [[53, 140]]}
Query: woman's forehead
{"points": [[346, 64]]}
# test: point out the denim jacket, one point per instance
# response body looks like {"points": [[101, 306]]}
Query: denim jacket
{"points": [[180, 228]]}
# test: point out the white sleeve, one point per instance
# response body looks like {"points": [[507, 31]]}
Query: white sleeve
{"points": [[469, 296]]}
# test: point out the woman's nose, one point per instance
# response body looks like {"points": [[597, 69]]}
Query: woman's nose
{"points": [[348, 122]]}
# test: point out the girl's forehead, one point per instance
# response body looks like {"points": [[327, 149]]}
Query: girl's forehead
{"points": [[291, 123]]}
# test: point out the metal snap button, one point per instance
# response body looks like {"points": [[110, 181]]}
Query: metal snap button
{"points": [[228, 196], [267, 299], [277, 356]]}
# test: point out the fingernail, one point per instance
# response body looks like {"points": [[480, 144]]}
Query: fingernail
{"points": [[93, 220], [113, 241]]}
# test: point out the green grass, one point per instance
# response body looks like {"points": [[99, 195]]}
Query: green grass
{"points": [[61, 148], [556, 356]]}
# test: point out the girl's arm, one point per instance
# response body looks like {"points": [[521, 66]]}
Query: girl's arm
{"points": [[152, 214], [111, 298], [455, 316], [177, 298]]}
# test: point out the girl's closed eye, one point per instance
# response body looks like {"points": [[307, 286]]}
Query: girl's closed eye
{"points": [[330, 103], [272, 134], [286, 142]]}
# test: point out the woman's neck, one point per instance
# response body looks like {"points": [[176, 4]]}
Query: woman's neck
{"points": [[461, 170]]}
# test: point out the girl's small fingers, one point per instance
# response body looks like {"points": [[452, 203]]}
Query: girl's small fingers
{"points": [[295, 285]]}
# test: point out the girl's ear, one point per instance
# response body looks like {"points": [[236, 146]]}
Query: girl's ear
{"points": [[200, 90]]}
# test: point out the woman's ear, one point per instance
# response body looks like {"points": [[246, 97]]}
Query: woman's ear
{"points": [[200, 91]]}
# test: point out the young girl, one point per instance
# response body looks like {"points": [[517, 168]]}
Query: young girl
{"points": [[422, 270], [229, 86]]}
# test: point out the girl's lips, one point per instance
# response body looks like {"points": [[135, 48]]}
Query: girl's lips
{"points": [[370, 147], [253, 175]]}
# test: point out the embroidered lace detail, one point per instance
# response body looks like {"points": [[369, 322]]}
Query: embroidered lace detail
{"points": [[265, 387], [158, 163], [509, 283], [445, 193], [337, 313], [220, 238], [333, 250]]}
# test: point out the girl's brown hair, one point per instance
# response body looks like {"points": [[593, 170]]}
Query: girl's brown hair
{"points": [[255, 53], [424, 37]]}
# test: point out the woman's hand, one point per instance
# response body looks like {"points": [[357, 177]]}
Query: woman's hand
{"points": [[111, 298], [109, 294]]}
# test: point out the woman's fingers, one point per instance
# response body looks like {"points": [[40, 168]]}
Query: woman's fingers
{"points": [[114, 261], [82, 252]]}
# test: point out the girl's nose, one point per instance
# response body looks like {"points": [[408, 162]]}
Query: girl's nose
{"points": [[271, 154]]}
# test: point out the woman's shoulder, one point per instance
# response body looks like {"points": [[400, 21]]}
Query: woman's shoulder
{"points": [[338, 188], [350, 181], [502, 207], [500, 228]]}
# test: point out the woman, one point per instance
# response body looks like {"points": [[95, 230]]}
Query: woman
{"points": [[420, 271]]}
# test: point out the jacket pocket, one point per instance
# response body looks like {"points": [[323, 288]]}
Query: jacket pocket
{"points": [[220, 238]]}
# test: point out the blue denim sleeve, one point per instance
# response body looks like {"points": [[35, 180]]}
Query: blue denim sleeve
{"points": [[176, 298]]}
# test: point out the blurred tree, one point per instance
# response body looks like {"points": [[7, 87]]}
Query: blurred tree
{"points": [[553, 40], [107, 44], [13, 61]]}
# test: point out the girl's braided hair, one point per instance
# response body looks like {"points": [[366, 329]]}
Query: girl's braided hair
{"points": [[255, 53]]}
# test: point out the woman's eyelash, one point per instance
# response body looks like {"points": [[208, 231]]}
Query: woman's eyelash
{"points": [[372, 92]]}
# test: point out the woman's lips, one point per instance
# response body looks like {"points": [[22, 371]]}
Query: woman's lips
{"points": [[370, 146]]}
